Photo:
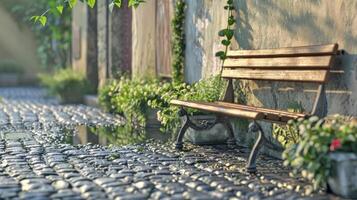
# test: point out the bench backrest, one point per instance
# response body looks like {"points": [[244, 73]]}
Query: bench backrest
{"points": [[298, 64]]}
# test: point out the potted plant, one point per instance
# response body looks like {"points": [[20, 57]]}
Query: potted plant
{"points": [[69, 85], [10, 73], [207, 90], [326, 154]]}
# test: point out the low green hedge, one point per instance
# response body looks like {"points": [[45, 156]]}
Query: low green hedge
{"points": [[11, 67], [69, 85], [132, 99]]}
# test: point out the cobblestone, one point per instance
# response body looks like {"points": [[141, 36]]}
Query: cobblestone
{"points": [[30, 109], [63, 171], [34, 167]]}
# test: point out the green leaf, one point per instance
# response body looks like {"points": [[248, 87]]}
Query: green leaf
{"points": [[220, 53], [72, 3], [135, 3], [222, 33], [115, 3], [229, 34], [43, 20], [35, 18], [60, 9], [91, 3], [226, 42], [231, 20]]}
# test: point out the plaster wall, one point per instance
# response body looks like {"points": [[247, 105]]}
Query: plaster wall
{"points": [[278, 23], [143, 43], [18, 43]]}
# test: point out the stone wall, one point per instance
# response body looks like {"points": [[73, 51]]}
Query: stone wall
{"points": [[278, 23]]}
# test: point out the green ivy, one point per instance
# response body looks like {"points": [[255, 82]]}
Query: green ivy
{"points": [[178, 42], [227, 33]]}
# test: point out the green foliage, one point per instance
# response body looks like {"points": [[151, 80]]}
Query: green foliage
{"points": [[227, 33], [69, 85], [57, 7], [178, 42], [132, 99], [318, 139], [54, 40], [207, 90], [288, 135], [10, 66]]}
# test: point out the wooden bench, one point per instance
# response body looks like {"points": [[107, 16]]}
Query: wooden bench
{"points": [[295, 64]]}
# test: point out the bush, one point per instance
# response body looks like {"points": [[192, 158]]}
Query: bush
{"points": [[10, 66], [132, 99], [318, 139], [207, 90], [288, 135], [69, 85]]}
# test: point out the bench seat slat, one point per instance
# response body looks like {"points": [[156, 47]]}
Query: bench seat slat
{"points": [[245, 111], [329, 49], [211, 107], [318, 76], [270, 114], [317, 62]]}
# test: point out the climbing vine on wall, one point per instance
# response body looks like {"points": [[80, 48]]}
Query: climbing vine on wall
{"points": [[227, 33], [178, 42]]}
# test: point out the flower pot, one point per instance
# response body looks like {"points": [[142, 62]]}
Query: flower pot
{"points": [[216, 135], [343, 175], [9, 79]]}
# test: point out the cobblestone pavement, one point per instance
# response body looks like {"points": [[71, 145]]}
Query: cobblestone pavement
{"points": [[30, 108], [33, 168]]}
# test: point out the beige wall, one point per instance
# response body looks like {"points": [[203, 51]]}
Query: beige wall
{"points": [[79, 40], [17, 43], [143, 43], [278, 23]]}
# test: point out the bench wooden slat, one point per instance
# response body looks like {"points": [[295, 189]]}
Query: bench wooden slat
{"points": [[317, 62], [318, 76], [211, 107], [260, 109], [329, 49], [270, 114]]}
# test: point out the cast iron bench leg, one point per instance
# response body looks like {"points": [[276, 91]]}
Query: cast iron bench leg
{"points": [[231, 142], [251, 165], [185, 126]]}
